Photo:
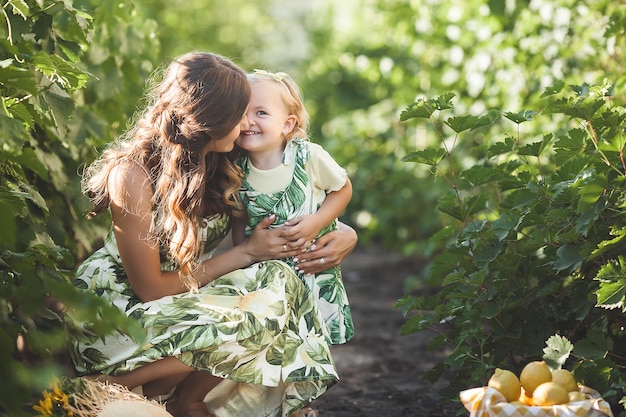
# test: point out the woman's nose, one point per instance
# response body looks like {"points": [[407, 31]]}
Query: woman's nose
{"points": [[245, 123]]}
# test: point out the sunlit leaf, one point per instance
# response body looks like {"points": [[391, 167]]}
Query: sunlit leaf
{"points": [[557, 350], [520, 117], [418, 110]]}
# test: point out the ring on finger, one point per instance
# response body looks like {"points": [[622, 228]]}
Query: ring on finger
{"points": [[322, 261], [284, 248]]}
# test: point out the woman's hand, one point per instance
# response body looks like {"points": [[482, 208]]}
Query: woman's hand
{"points": [[328, 250], [265, 243]]}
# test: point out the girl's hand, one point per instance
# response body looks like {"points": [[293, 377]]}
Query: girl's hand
{"points": [[301, 231], [328, 250]]}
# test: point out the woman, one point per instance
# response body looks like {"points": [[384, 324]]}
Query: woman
{"points": [[236, 321]]}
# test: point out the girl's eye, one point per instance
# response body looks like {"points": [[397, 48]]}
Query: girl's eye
{"points": [[261, 112]]}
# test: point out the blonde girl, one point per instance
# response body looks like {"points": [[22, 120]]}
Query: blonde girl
{"points": [[296, 180]]}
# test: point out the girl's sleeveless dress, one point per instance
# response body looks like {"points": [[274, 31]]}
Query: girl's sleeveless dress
{"points": [[304, 195], [257, 327]]}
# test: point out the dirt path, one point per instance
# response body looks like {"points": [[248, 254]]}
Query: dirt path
{"points": [[380, 370]]}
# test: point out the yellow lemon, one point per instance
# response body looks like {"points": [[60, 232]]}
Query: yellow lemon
{"points": [[534, 374], [565, 378], [525, 399], [507, 383], [550, 393], [576, 396]]}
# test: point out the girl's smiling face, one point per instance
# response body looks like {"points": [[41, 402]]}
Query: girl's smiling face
{"points": [[268, 119]]}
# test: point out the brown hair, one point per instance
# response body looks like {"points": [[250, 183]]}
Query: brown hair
{"points": [[201, 97]]}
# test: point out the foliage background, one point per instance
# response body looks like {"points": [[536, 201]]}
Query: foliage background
{"points": [[72, 75]]}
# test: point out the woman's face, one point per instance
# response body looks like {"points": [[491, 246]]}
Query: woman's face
{"points": [[227, 143]]}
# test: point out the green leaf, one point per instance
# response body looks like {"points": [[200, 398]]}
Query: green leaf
{"points": [[12, 132], [570, 145], [428, 156], [520, 198], [57, 69], [61, 106], [520, 117], [582, 108], [612, 277], [594, 346], [555, 88], [479, 175], [505, 224], [461, 123], [16, 77], [420, 109], [592, 190], [557, 351], [607, 245], [425, 108], [8, 227], [444, 101], [489, 119], [611, 295], [568, 258], [449, 204], [536, 148], [19, 7], [28, 159]]}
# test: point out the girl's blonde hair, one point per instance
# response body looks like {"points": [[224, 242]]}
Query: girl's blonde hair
{"points": [[200, 97], [291, 96]]}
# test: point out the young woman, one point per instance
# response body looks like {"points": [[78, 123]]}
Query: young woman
{"points": [[237, 324]]}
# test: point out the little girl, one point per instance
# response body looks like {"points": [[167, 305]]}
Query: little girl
{"points": [[296, 180]]}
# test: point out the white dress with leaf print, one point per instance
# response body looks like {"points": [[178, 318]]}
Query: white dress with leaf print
{"points": [[295, 188], [257, 327]]}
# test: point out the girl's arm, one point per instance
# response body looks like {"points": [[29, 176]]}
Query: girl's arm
{"points": [[131, 210], [302, 230]]}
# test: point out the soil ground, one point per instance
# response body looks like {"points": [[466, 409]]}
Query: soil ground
{"points": [[380, 370]]}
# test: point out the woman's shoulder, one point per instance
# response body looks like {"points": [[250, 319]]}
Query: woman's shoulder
{"points": [[128, 181]]}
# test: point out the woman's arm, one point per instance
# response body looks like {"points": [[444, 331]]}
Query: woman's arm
{"points": [[333, 247], [131, 210], [238, 230]]}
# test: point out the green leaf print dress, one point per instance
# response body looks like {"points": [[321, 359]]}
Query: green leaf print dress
{"points": [[309, 172], [257, 327]]}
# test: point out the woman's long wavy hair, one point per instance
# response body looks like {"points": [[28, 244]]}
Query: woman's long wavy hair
{"points": [[201, 97]]}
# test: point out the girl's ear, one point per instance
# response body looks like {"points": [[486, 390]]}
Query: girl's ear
{"points": [[290, 123]]}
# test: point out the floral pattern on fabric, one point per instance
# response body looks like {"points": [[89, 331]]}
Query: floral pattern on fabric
{"points": [[256, 326], [297, 199]]}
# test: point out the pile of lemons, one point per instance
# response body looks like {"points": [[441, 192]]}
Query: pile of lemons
{"points": [[537, 385]]}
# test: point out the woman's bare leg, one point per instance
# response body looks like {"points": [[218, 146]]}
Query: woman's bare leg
{"points": [[188, 399], [163, 386]]}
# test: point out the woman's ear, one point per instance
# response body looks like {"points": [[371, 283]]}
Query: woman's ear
{"points": [[290, 123]]}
